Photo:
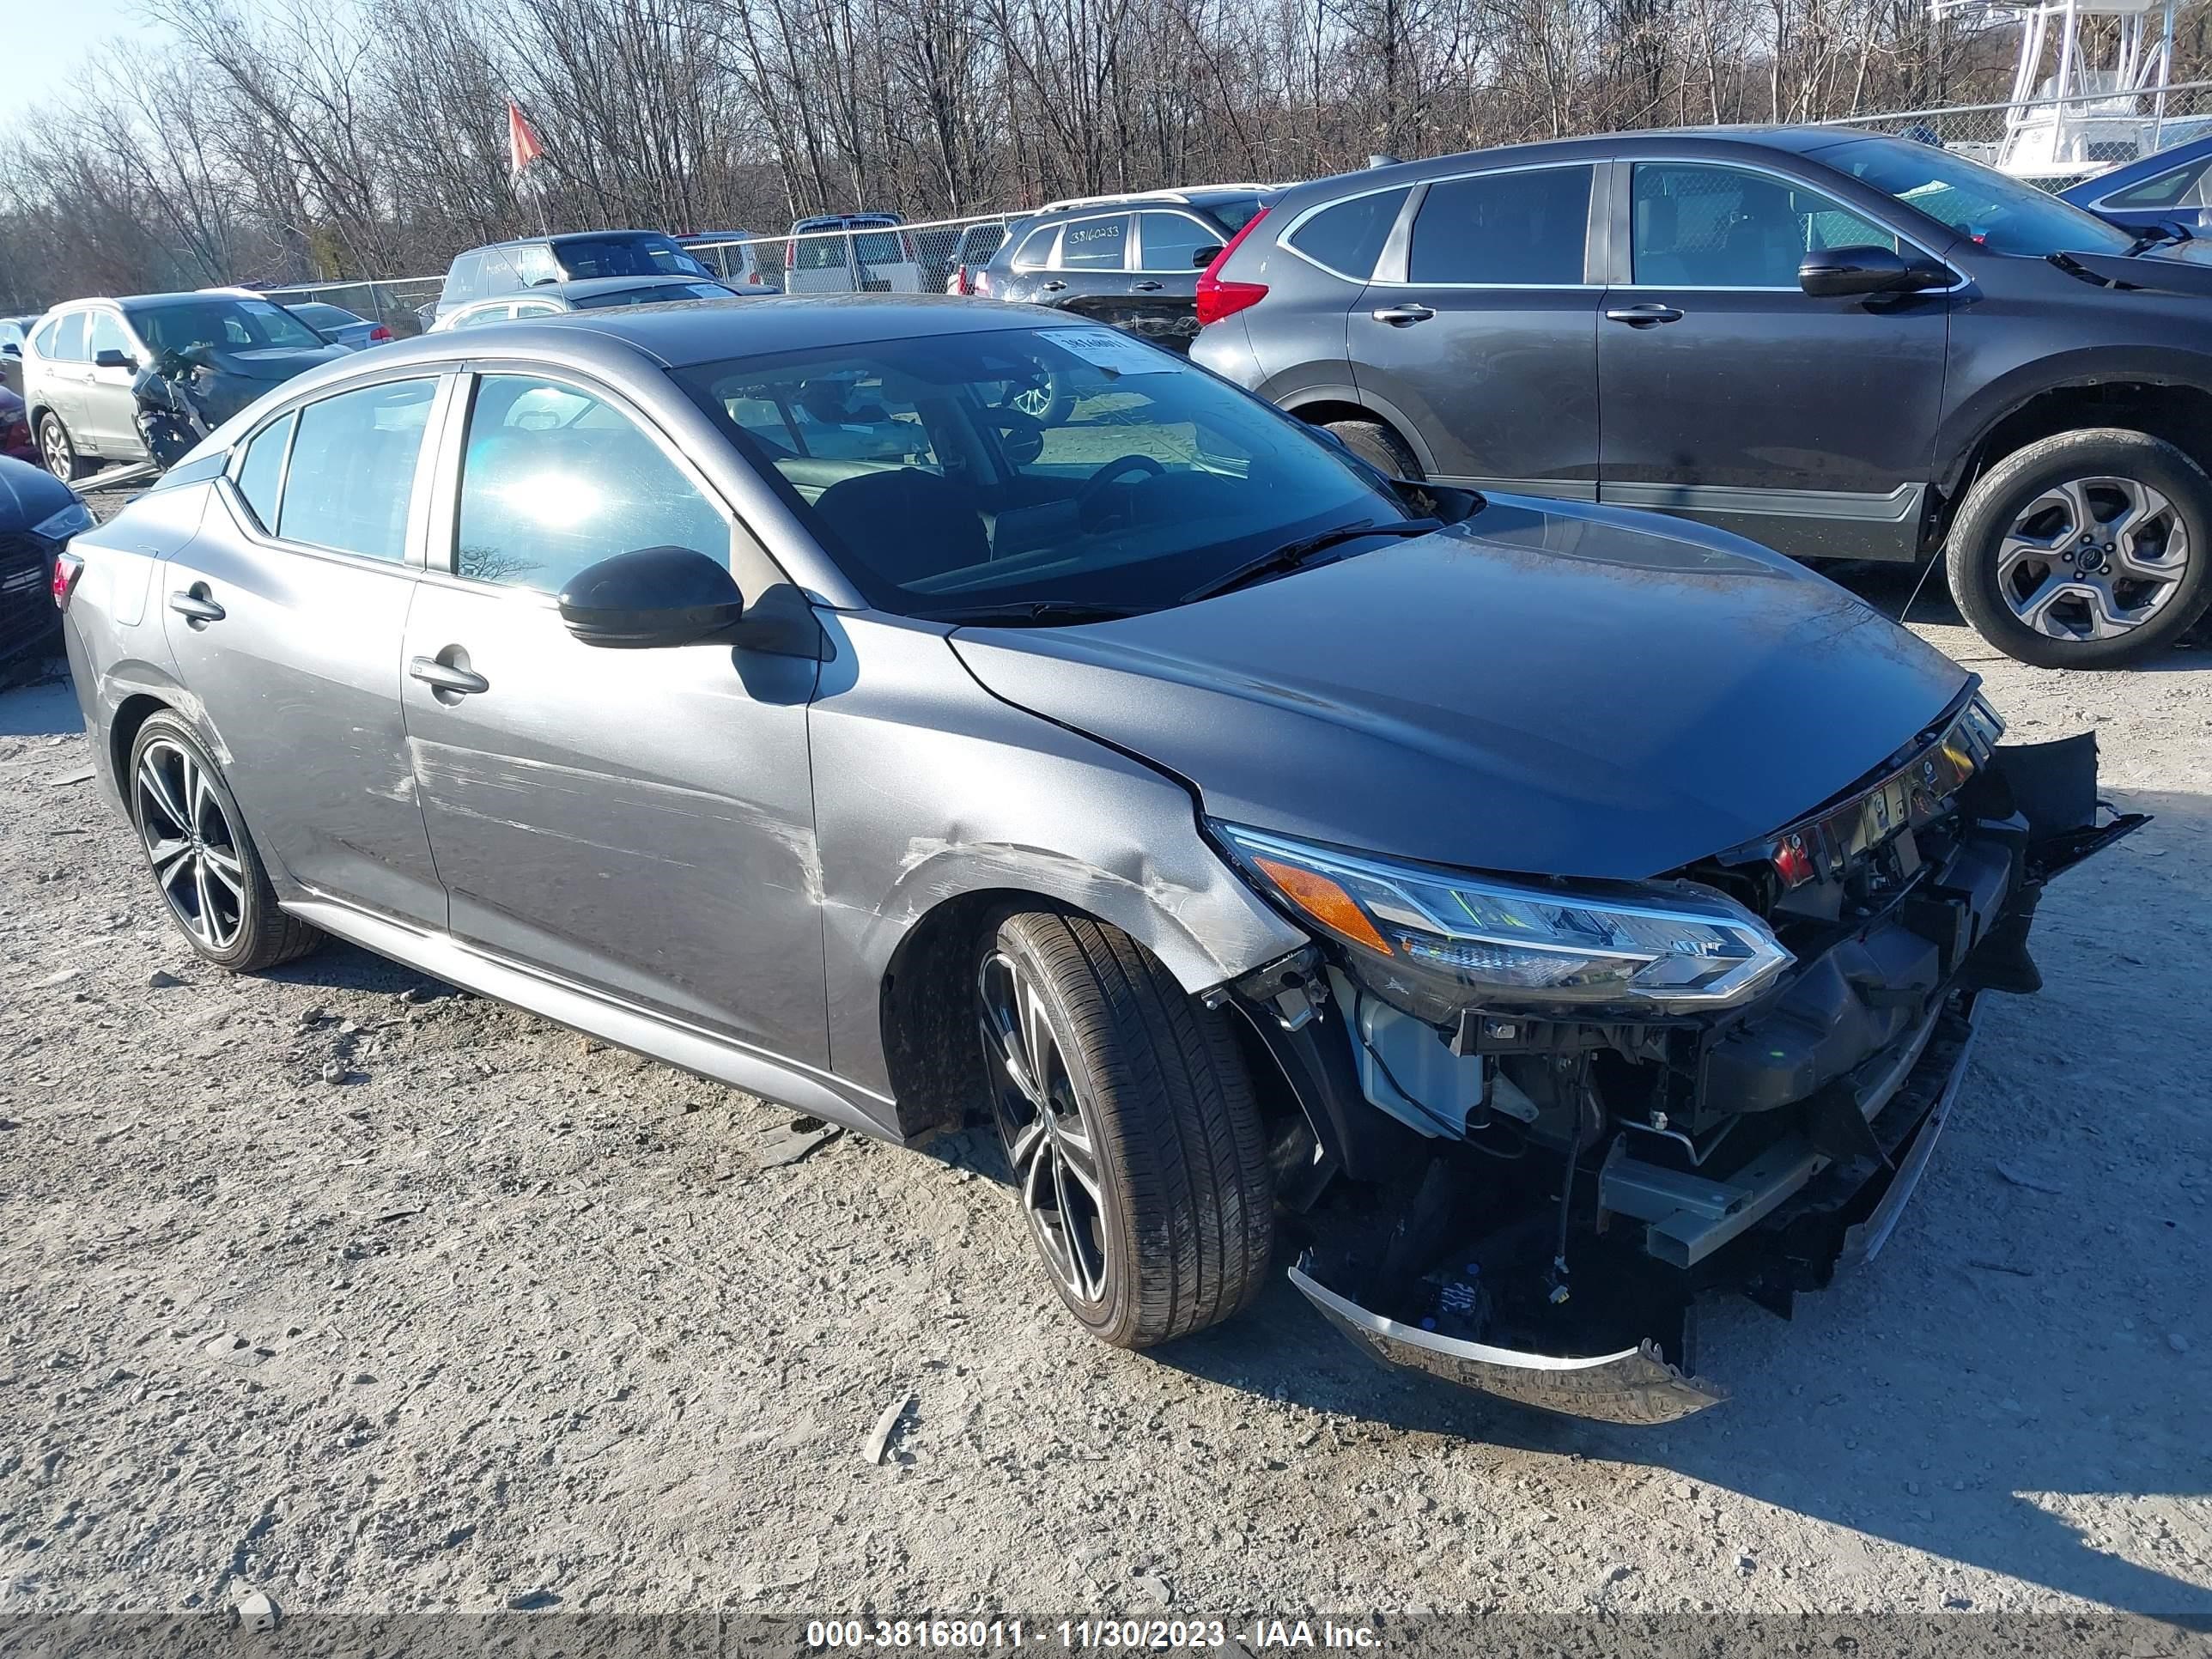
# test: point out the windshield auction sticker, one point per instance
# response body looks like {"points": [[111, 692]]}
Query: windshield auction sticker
{"points": [[1111, 349]]}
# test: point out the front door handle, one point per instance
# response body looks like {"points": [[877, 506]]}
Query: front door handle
{"points": [[195, 606], [444, 677], [1050, 287], [1644, 316], [1403, 316], [1148, 287]]}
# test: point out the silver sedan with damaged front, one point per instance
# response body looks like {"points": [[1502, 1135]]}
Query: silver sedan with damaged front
{"points": [[773, 690]]}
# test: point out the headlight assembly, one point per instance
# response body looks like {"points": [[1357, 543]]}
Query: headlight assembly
{"points": [[1654, 947], [68, 522]]}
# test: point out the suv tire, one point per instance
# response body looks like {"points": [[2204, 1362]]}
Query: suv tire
{"points": [[1138, 1155], [58, 451], [215, 885], [1380, 448], [2077, 492]]}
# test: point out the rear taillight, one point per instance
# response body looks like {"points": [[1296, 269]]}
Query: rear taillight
{"points": [[66, 569], [960, 283], [1218, 298], [377, 335]]}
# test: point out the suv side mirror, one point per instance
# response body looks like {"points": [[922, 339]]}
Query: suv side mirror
{"points": [[1835, 273], [651, 596], [111, 358]]}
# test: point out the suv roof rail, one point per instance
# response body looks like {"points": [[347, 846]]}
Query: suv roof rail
{"points": [[1182, 195]]}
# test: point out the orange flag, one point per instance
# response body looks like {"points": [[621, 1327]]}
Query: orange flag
{"points": [[523, 144]]}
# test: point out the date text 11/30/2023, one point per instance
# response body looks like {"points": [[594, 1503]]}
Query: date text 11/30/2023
{"points": [[1083, 1635]]}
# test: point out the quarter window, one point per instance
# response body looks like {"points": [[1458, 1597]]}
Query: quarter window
{"points": [[1094, 243], [1347, 237], [2169, 189], [1714, 227], [1036, 251], [261, 475], [1171, 241], [554, 479], [353, 469], [1520, 229]]}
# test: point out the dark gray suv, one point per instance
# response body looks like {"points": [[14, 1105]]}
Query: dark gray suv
{"points": [[1566, 911], [1841, 346]]}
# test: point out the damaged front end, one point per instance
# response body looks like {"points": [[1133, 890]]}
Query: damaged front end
{"points": [[1567, 1112]]}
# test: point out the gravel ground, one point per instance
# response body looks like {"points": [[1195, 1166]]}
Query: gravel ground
{"points": [[509, 1319]]}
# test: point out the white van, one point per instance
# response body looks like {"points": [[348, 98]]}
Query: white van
{"points": [[854, 253]]}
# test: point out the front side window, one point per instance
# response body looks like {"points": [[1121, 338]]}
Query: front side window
{"points": [[261, 474], [352, 473], [1996, 212], [1697, 226], [1173, 241], [1094, 243], [107, 334], [1347, 237], [1074, 465], [1524, 228], [554, 479]]}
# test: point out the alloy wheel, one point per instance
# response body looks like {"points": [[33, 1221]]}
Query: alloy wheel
{"points": [[1048, 1137], [192, 844], [2093, 558], [54, 446]]}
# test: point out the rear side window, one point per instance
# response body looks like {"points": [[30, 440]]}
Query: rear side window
{"points": [[2167, 190], [353, 469], [464, 281], [553, 479], [1347, 237], [66, 343], [1036, 251], [1094, 243], [1522, 229], [261, 476]]}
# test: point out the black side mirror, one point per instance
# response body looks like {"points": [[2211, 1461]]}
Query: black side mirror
{"points": [[1836, 273], [110, 357], [1205, 255], [652, 596]]}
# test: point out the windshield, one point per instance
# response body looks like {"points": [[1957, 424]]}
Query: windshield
{"points": [[584, 256], [655, 295], [222, 325], [2000, 213], [1075, 465]]}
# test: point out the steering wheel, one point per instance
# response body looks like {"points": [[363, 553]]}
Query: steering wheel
{"points": [[1092, 509]]}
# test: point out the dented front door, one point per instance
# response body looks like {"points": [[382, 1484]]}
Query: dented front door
{"points": [[639, 822]]}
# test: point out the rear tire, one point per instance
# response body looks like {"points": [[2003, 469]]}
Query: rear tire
{"points": [[2085, 494], [1380, 448], [204, 862], [1148, 1196], [58, 450]]}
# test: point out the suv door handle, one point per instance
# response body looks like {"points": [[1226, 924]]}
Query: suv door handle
{"points": [[1644, 316], [444, 677], [195, 606], [1050, 287], [1403, 316], [1148, 287]]}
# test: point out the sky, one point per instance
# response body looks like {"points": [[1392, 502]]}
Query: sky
{"points": [[42, 55]]}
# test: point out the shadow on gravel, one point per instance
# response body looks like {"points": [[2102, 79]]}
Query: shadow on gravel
{"points": [[1991, 1355]]}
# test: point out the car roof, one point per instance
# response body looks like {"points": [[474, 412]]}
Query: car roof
{"points": [[553, 236], [1800, 140], [838, 219]]}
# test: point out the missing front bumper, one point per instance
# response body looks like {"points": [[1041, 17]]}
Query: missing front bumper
{"points": [[1843, 1212]]}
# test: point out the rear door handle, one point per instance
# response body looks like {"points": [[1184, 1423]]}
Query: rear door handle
{"points": [[196, 606], [1644, 316], [1403, 316], [1148, 287], [444, 677]]}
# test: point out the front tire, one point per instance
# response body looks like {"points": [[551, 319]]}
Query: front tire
{"points": [[1128, 1118], [203, 862], [2087, 550], [58, 451], [1380, 448]]}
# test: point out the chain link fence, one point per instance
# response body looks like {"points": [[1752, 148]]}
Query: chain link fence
{"points": [[2056, 141]]}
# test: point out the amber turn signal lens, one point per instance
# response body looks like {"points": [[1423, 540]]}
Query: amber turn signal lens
{"points": [[1325, 901]]}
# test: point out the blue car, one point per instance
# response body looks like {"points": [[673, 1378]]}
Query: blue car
{"points": [[2169, 187]]}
